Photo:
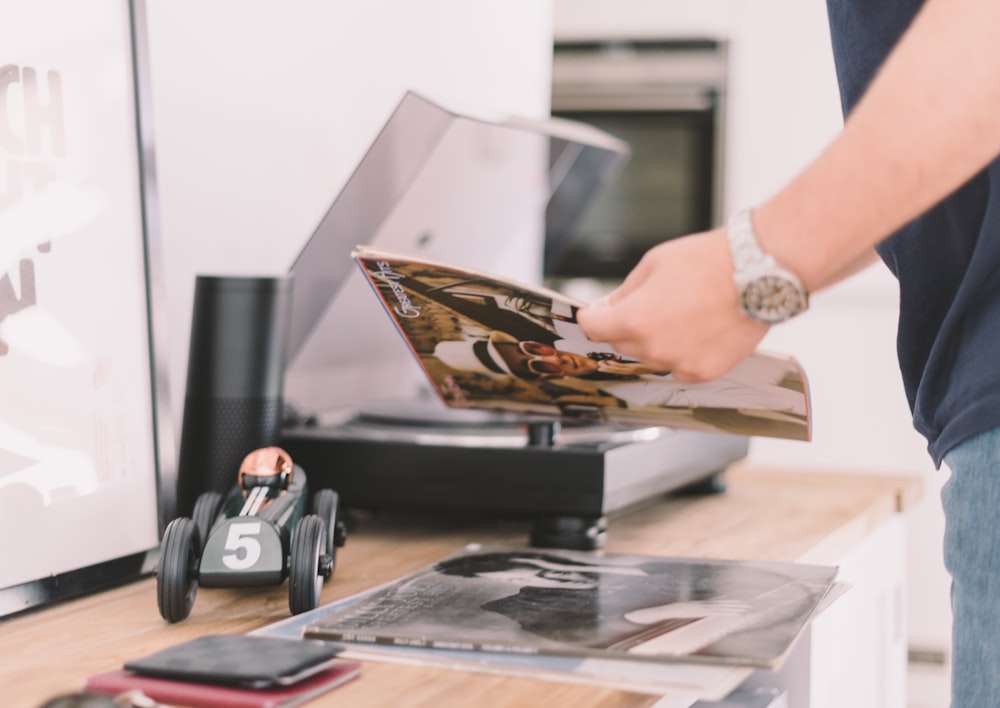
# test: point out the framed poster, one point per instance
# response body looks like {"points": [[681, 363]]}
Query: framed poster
{"points": [[86, 451]]}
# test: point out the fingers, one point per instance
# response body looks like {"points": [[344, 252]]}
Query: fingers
{"points": [[598, 320], [604, 320], [677, 311]]}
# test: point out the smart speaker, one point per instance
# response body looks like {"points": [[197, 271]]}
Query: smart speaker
{"points": [[236, 367]]}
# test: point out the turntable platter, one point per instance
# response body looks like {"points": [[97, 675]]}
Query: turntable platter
{"points": [[421, 455], [432, 413], [431, 422]]}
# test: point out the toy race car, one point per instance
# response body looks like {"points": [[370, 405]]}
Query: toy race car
{"points": [[258, 534]]}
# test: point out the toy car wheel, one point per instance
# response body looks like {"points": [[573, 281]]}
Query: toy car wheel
{"points": [[305, 580], [326, 505], [206, 509], [177, 574]]}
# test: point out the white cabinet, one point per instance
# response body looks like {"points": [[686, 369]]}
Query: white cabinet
{"points": [[854, 653]]}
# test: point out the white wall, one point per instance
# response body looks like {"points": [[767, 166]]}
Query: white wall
{"points": [[263, 109], [783, 108]]}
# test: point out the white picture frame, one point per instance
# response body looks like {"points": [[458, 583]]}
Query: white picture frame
{"points": [[87, 472]]}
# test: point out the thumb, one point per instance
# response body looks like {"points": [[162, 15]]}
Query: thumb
{"points": [[600, 321], [597, 319]]}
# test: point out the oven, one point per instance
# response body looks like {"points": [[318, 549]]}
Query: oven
{"points": [[666, 100]]}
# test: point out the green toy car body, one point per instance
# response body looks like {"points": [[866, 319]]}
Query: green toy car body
{"points": [[262, 532]]}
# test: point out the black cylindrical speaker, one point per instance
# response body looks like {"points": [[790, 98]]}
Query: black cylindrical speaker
{"points": [[236, 368]]}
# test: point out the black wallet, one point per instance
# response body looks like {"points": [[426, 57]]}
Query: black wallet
{"points": [[242, 660]]}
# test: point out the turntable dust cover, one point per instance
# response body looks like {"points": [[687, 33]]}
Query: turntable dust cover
{"points": [[586, 603], [487, 342]]}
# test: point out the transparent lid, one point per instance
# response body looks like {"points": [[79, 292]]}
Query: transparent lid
{"points": [[493, 194]]}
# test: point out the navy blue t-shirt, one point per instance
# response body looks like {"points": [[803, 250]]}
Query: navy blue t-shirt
{"points": [[947, 261]]}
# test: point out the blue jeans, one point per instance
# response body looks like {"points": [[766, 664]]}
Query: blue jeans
{"points": [[971, 499]]}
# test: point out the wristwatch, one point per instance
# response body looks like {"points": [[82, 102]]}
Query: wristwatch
{"points": [[767, 292]]}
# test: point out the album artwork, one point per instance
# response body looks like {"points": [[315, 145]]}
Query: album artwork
{"points": [[580, 603], [490, 343]]}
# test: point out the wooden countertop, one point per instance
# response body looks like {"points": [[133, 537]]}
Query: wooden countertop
{"points": [[764, 515]]}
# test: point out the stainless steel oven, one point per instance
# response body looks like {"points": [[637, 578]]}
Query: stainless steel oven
{"points": [[666, 100]]}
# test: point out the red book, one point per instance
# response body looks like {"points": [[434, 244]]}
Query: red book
{"points": [[203, 695]]}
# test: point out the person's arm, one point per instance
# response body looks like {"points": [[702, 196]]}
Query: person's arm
{"points": [[928, 122]]}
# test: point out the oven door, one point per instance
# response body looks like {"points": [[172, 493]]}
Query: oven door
{"points": [[665, 99]]}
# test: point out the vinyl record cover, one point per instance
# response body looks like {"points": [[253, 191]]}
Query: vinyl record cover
{"points": [[578, 603], [682, 679], [488, 342]]}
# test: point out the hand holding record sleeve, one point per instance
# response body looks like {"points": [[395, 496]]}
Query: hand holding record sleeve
{"points": [[488, 342]]}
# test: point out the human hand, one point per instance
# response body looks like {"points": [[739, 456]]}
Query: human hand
{"points": [[677, 310]]}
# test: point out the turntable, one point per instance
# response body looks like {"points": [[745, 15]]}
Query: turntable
{"points": [[490, 194]]}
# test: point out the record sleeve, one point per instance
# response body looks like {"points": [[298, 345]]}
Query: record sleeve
{"points": [[488, 342], [683, 679], [579, 603]]}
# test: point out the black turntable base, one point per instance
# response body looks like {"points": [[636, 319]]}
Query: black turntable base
{"points": [[565, 478]]}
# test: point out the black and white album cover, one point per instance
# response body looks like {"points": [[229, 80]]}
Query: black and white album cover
{"points": [[545, 601]]}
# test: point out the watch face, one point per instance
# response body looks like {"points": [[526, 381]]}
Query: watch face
{"points": [[771, 299]]}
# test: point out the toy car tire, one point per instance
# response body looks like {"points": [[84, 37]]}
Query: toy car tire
{"points": [[177, 574], [206, 509], [326, 505], [305, 580]]}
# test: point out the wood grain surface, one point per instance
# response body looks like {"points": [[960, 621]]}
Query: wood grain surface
{"points": [[763, 515]]}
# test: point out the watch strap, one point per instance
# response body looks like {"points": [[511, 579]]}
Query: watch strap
{"points": [[766, 291], [748, 256]]}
